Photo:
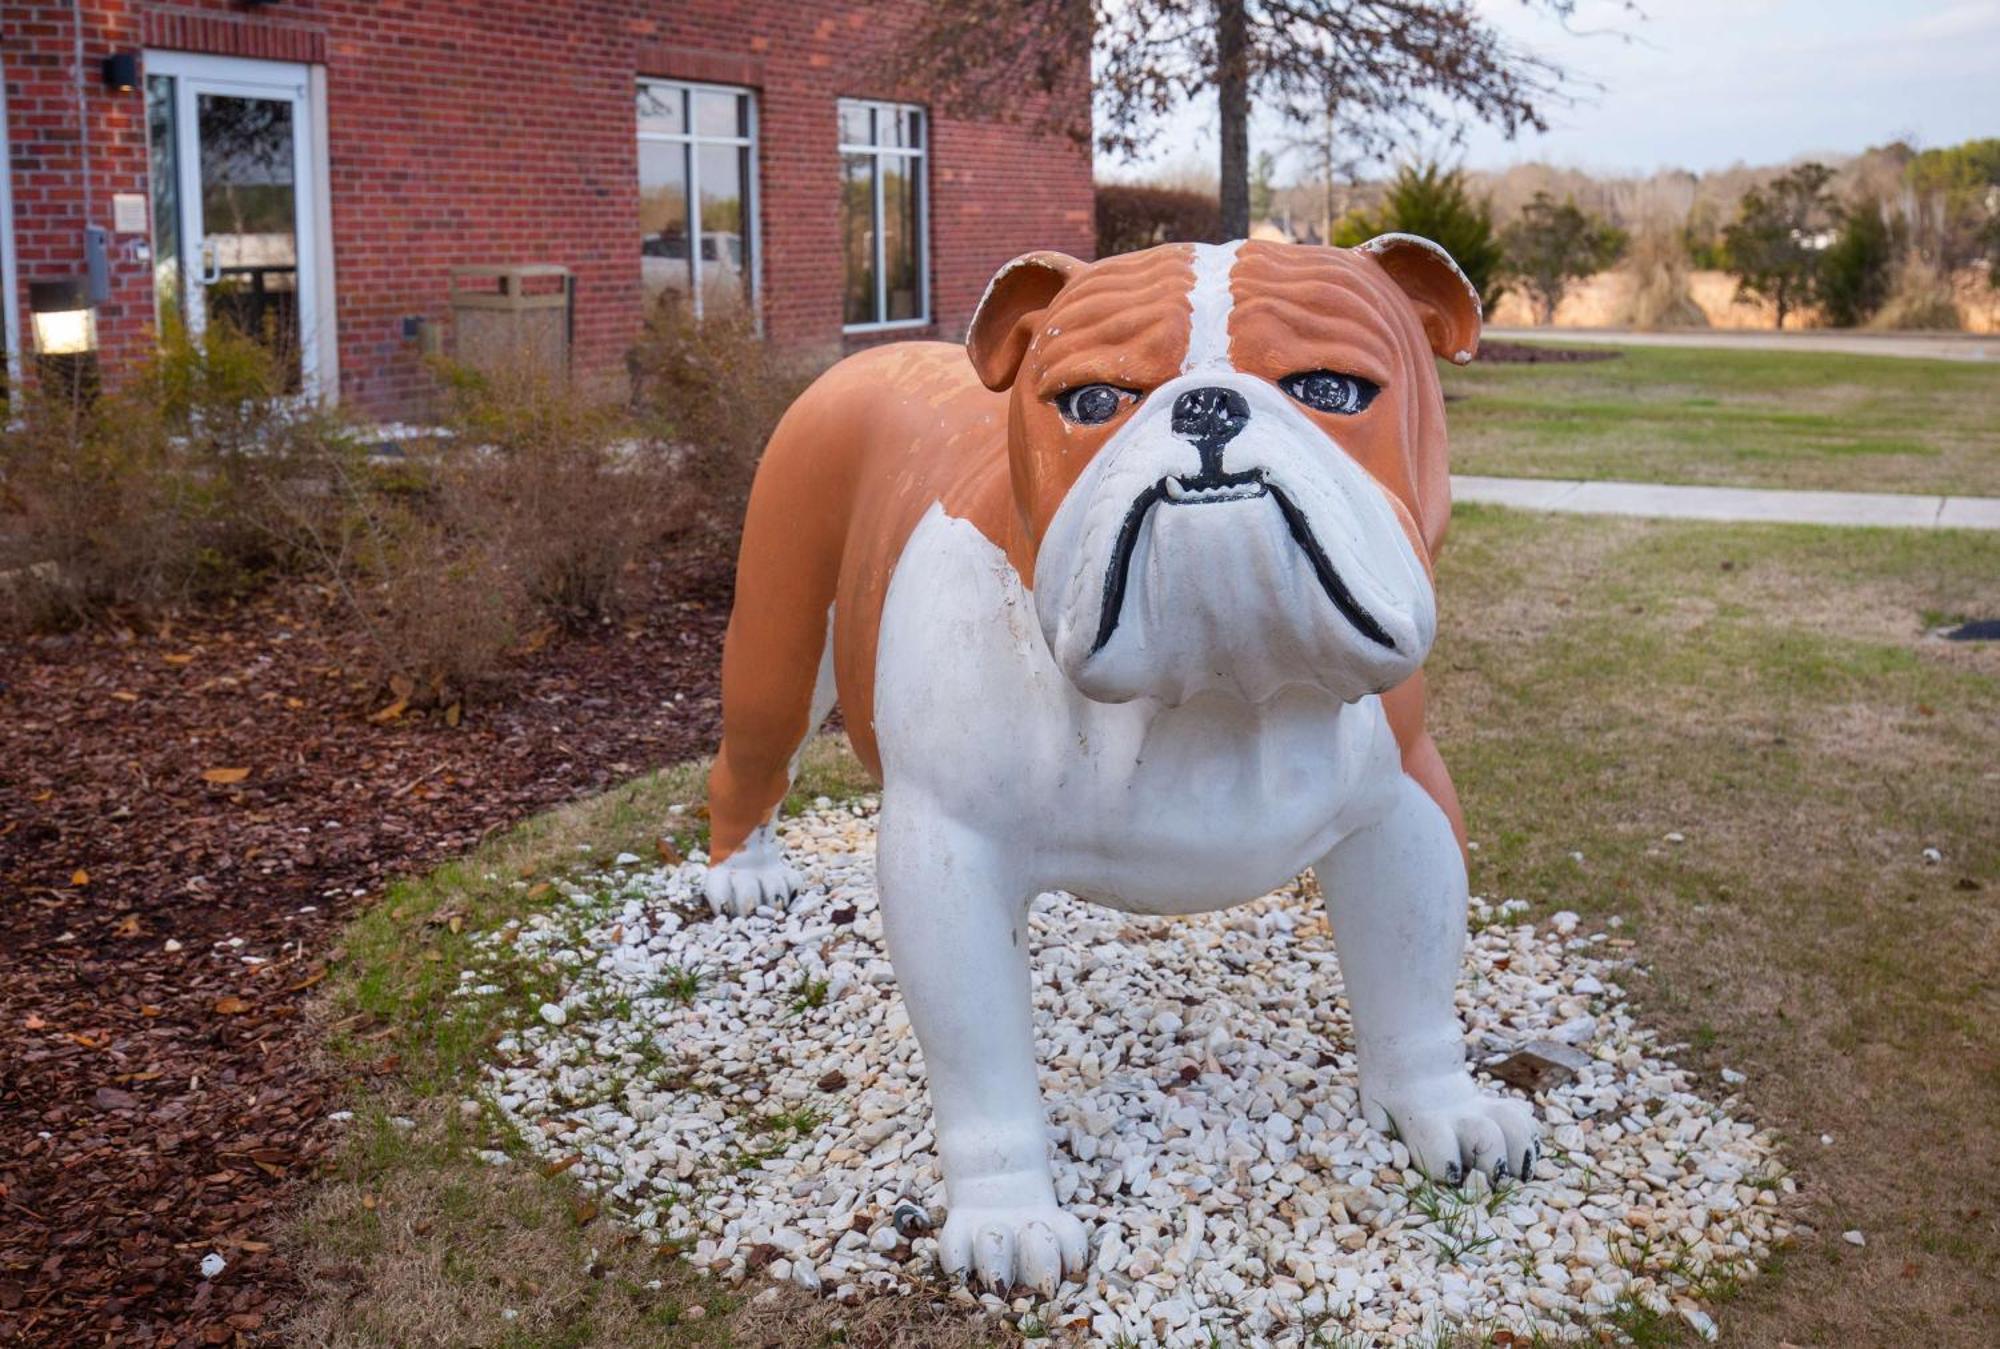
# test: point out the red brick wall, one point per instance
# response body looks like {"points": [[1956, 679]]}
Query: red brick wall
{"points": [[503, 132]]}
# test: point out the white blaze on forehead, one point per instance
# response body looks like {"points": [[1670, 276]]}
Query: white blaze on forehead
{"points": [[1209, 298]]}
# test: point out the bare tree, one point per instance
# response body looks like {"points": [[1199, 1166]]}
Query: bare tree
{"points": [[1387, 70]]}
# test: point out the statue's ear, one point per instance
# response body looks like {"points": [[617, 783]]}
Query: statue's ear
{"points": [[1447, 303], [1004, 323]]}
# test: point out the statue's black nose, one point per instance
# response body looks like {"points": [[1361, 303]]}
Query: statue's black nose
{"points": [[1210, 417]]}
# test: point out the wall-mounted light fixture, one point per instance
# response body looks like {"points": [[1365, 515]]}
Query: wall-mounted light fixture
{"points": [[65, 337], [65, 319], [121, 72]]}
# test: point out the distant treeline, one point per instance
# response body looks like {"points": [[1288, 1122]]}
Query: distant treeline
{"points": [[1892, 236]]}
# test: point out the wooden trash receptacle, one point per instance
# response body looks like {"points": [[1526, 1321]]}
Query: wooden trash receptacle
{"points": [[514, 318]]}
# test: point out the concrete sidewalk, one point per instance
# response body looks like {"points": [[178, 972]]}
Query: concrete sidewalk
{"points": [[1924, 346], [1673, 502]]}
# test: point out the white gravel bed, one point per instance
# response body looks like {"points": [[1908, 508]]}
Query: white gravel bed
{"points": [[772, 1120]]}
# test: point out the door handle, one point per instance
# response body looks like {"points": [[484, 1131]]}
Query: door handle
{"points": [[211, 265]]}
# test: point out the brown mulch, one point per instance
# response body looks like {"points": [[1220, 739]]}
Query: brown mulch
{"points": [[178, 803], [1526, 353]]}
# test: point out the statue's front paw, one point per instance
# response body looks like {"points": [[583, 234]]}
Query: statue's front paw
{"points": [[753, 876], [1031, 1245], [1453, 1129]]}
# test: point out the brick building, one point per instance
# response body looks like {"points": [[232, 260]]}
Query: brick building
{"points": [[316, 169]]}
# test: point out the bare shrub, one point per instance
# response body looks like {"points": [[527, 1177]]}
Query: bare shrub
{"points": [[1920, 296], [1657, 262], [712, 391], [1131, 216], [148, 496], [561, 484], [446, 614]]}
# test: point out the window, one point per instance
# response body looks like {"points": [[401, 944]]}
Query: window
{"points": [[698, 196], [884, 217]]}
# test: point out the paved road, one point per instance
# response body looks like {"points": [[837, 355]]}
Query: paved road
{"points": [[1930, 346], [1673, 502]]}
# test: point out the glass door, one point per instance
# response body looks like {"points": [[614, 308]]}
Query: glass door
{"points": [[233, 201]]}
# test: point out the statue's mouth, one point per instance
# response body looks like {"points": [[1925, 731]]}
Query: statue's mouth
{"points": [[1209, 488]]}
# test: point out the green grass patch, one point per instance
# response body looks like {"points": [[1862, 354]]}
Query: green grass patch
{"points": [[1743, 418]]}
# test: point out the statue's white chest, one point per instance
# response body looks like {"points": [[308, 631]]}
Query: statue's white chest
{"points": [[1151, 808]]}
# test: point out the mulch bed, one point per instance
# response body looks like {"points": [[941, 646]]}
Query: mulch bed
{"points": [[1525, 353], [162, 1097]]}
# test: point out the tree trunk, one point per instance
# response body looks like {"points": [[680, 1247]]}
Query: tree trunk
{"points": [[1232, 87], [1326, 205]]}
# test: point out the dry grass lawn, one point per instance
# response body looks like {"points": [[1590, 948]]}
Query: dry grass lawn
{"points": [[1770, 695]]}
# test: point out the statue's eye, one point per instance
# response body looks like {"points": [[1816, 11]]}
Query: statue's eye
{"points": [[1325, 391], [1091, 404]]}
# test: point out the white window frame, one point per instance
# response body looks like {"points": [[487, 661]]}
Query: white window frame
{"points": [[12, 358], [691, 140], [922, 178]]}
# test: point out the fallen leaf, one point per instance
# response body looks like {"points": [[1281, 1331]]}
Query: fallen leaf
{"points": [[125, 696], [79, 877], [391, 712], [539, 889], [558, 1167], [669, 854], [584, 1210], [368, 1201], [128, 926], [224, 777], [295, 703], [34, 1022], [179, 658], [231, 1005], [402, 686], [307, 982], [453, 714]]}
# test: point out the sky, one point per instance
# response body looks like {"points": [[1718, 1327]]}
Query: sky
{"points": [[1703, 84]]}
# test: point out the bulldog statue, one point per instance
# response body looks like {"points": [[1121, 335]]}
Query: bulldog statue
{"points": [[1128, 597]]}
